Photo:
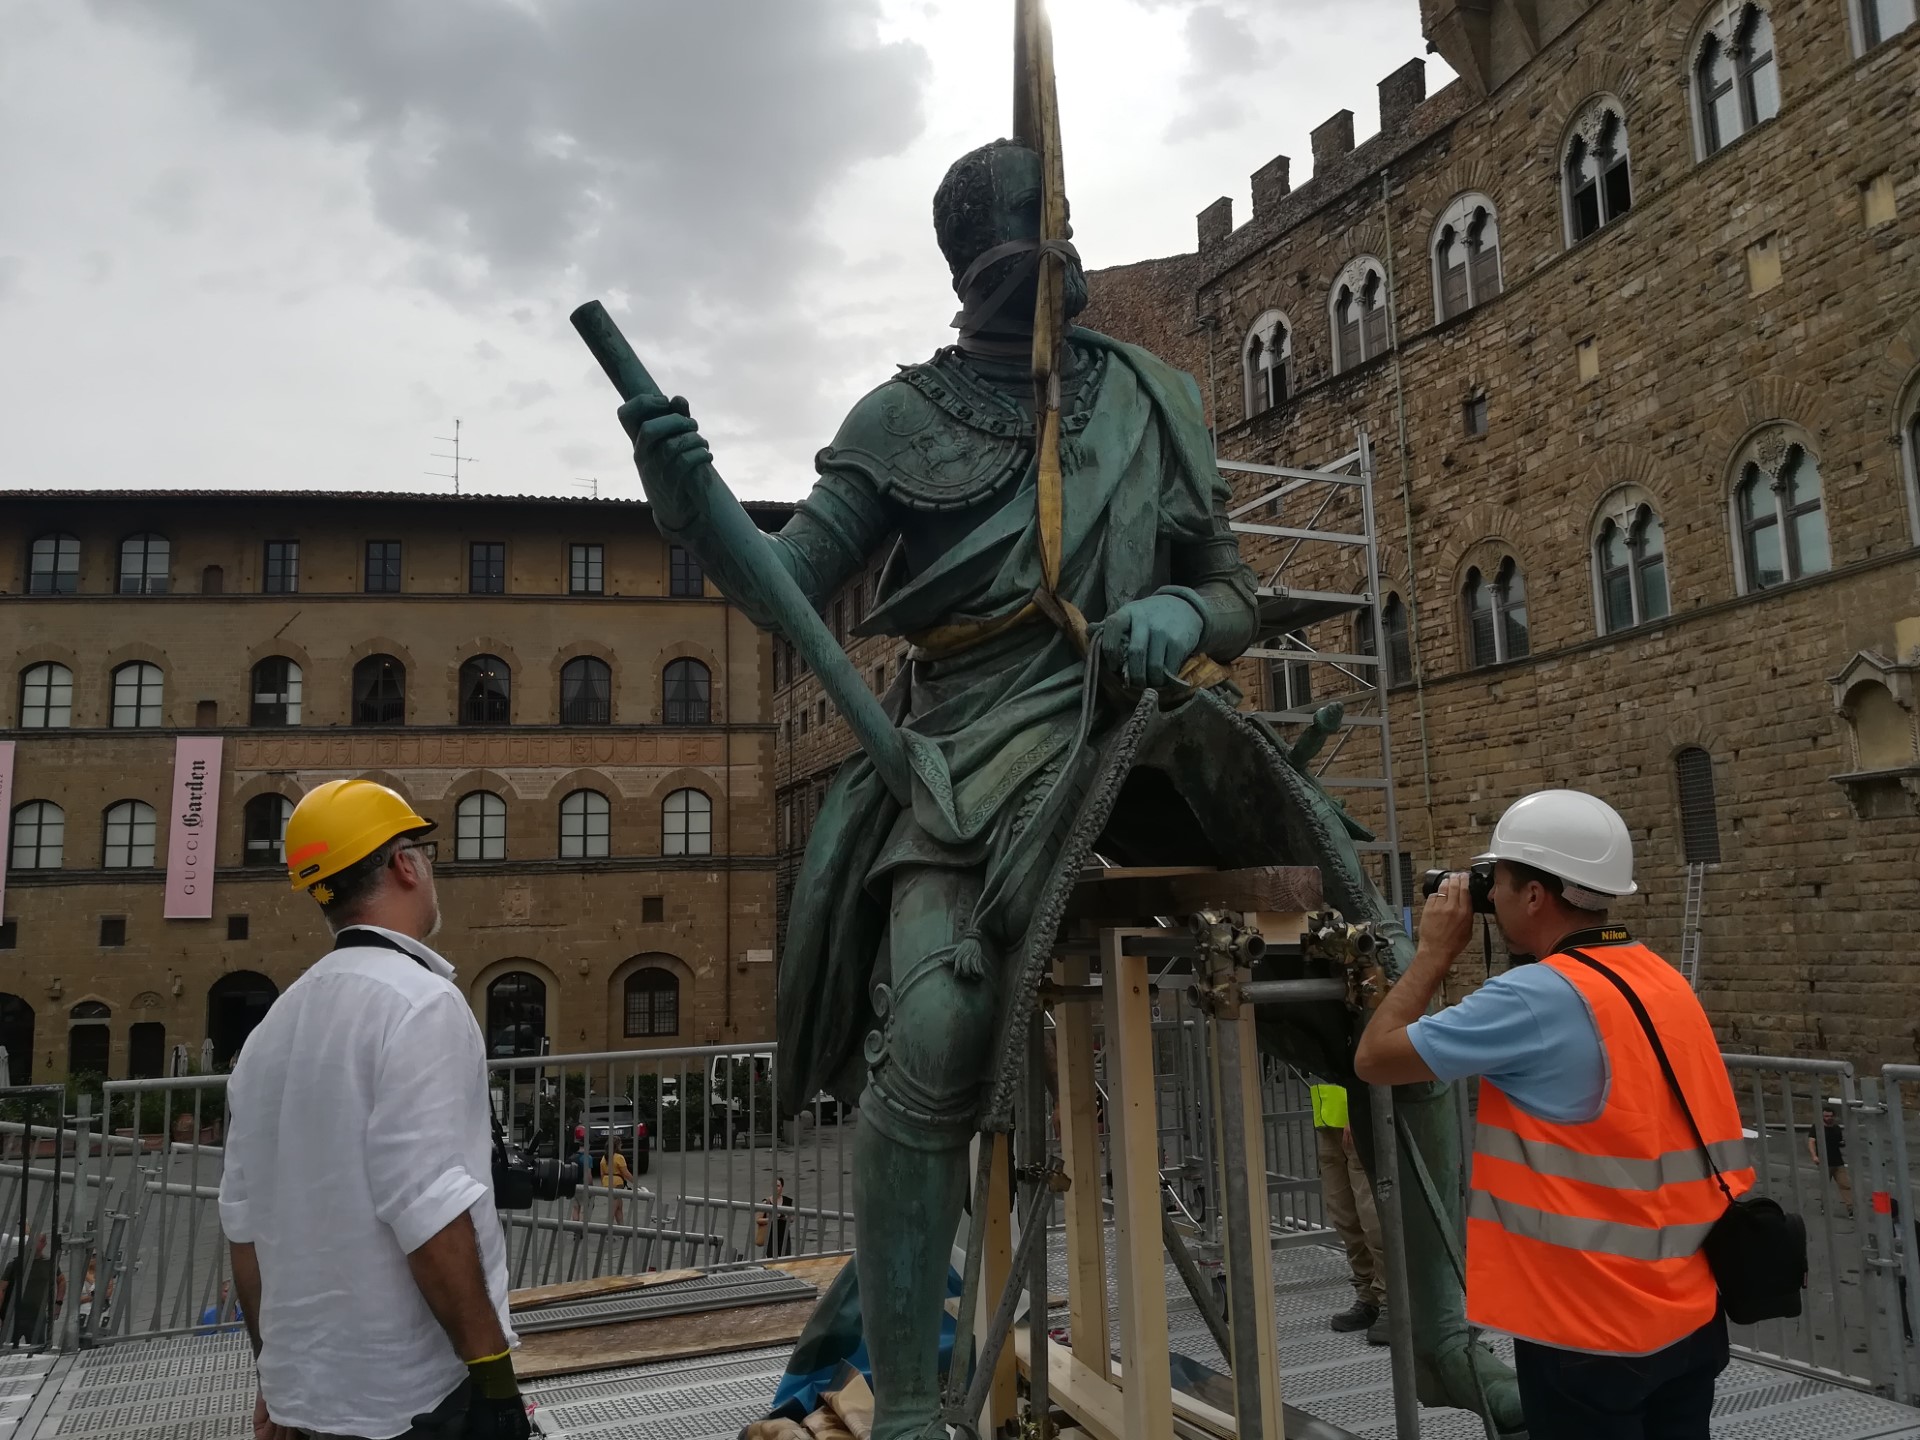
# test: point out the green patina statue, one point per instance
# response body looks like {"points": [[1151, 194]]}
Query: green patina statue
{"points": [[926, 908]]}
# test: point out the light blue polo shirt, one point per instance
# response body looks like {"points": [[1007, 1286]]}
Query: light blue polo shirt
{"points": [[1530, 1032]]}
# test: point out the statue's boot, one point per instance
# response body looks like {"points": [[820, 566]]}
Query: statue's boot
{"points": [[908, 1200]]}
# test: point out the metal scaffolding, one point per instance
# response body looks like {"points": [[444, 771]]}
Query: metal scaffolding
{"points": [[1307, 510]]}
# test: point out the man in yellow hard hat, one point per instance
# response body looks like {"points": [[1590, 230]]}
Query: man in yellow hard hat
{"points": [[357, 1195]]}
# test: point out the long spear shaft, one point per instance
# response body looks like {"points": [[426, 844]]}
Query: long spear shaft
{"points": [[748, 572]]}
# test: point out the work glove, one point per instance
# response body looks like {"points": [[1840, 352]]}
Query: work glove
{"points": [[495, 1408]]}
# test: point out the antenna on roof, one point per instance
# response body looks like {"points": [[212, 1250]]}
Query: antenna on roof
{"points": [[591, 482], [456, 457]]}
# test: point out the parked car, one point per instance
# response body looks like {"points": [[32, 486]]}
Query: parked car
{"points": [[603, 1119]]}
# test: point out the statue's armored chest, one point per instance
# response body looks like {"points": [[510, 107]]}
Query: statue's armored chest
{"points": [[940, 438]]}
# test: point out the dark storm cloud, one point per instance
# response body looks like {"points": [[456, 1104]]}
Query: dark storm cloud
{"points": [[676, 151]]}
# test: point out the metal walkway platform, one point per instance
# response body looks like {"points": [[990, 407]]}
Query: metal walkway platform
{"points": [[201, 1387]]}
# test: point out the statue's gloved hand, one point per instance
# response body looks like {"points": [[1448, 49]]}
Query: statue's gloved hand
{"points": [[1146, 641], [668, 449]]}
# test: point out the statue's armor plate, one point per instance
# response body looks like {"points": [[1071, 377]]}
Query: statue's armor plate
{"points": [[936, 437]]}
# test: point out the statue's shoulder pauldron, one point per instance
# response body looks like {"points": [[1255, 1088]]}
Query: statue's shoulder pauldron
{"points": [[936, 438]]}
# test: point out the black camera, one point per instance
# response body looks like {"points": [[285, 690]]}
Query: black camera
{"points": [[1479, 885], [519, 1179]]}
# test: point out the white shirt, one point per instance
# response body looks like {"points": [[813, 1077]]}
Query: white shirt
{"points": [[359, 1130]]}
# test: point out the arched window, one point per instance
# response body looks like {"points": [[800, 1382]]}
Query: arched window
{"points": [[516, 1015], [1496, 615], [89, 1038], [1466, 256], [1266, 362], [686, 824], [46, 697], [689, 692], [266, 829], [1777, 505], [379, 691], [1630, 564], [1393, 615], [484, 691], [16, 1038], [1359, 308], [129, 836], [136, 695], [39, 836], [586, 692], [1290, 681], [276, 692], [1699, 815], [53, 565], [586, 826], [144, 562], [652, 1003], [236, 1003], [1883, 19], [1736, 85], [480, 827], [1595, 173]]}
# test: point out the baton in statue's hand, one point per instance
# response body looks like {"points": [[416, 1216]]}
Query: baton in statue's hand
{"points": [[746, 568]]}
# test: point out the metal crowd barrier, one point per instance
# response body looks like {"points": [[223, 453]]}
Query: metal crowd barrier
{"points": [[1895, 1220], [129, 1196]]}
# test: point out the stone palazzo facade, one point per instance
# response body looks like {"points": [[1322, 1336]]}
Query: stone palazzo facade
{"points": [[555, 685], [1630, 314]]}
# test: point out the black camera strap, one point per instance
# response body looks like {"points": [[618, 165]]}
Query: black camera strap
{"points": [[373, 939], [1660, 1054]]}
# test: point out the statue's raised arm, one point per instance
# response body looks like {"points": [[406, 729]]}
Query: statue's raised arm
{"points": [[691, 500]]}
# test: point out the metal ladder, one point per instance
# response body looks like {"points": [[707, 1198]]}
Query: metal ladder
{"points": [[1690, 924]]}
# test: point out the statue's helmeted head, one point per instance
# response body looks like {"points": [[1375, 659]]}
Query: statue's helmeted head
{"points": [[989, 197]]}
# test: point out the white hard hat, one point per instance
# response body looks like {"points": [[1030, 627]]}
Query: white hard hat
{"points": [[1572, 835]]}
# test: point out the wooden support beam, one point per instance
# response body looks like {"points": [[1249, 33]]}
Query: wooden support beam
{"points": [[996, 1263], [1133, 1141], [1080, 1149], [1252, 1252]]}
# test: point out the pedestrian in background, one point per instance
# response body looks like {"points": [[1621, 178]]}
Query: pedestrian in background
{"points": [[1833, 1140], [357, 1193], [615, 1175], [1348, 1198]]}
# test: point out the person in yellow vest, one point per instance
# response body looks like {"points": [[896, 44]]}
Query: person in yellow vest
{"points": [[1590, 1196], [1350, 1211], [616, 1177]]}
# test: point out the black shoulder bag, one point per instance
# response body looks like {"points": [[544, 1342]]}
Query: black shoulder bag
{"points": [[1757, 1250]]}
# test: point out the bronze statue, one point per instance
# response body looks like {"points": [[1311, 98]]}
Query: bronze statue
{"points": [[1060, 560]]}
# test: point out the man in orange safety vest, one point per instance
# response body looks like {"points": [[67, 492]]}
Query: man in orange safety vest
{"points": [[1590, 1196]]}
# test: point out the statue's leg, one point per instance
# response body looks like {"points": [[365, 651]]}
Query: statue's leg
{"points": [[925, 1075]]}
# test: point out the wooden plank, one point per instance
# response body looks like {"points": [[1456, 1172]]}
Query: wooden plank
{"points": [[668, 1337], [1133, 1144], [1138, 894], [518, 1300], [1258, 1254], [819, 1271], [1080, 1149], [996, 1264], [1077, 1388]]}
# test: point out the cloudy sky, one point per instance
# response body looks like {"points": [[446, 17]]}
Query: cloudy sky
{"points": [[285, 242]]}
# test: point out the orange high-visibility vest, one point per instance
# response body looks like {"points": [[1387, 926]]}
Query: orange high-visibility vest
{"points": [[1587, 1237]]}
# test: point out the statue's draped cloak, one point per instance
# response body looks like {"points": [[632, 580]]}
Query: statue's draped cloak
{"points": [[990, 729]]}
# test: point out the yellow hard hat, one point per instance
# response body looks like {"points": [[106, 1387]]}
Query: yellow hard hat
{"points": [[341, 822]]}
